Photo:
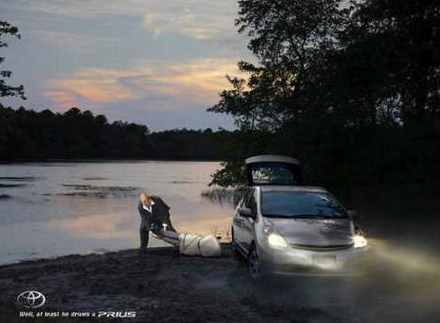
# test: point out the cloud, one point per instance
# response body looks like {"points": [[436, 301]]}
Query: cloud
{"points": [[197, 81], [196, 18], [62, 98], [96, 86], [125, 58], [79, 8], [193, 19], [71, 39]]}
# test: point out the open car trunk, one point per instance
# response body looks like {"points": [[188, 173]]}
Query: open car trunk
{"points": [[273, 170]]}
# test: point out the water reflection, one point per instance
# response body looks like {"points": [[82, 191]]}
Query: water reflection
{"points": [[78, 207], [97, 226], [125, 224]]}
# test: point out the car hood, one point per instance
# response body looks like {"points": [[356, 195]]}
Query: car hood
{"points": [[313, 232]]}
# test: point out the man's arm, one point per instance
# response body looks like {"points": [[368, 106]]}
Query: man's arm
{"points": [[164, 212], [142, 212], [160, 202]]}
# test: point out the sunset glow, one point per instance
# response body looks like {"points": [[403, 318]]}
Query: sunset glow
{"points": [[149, 62]]}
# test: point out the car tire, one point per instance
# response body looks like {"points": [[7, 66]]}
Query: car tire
{"points": [[254, 264]]}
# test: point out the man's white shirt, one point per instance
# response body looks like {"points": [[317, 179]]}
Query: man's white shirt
{"points": [[148, 207]]}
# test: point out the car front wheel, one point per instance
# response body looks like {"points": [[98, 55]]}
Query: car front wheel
{"points": [[235, 251], [254, 264]]}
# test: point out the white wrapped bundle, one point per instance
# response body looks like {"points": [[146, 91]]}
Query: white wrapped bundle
{"points": [[194, 245]]}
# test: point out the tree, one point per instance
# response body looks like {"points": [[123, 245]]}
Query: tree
{"points": [[8, 130], [334, 85], [76, 133], [6, 89]]}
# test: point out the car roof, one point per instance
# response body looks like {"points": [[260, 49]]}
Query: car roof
{"points": [[271, 158], [292, 188]]}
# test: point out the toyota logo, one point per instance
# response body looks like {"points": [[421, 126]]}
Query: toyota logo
{"points": [[31, 299]]}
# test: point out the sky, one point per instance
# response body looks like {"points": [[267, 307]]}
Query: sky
{"points": [[159, 63]]}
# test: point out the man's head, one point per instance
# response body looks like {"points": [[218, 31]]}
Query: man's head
{"points": [[144, 198]]}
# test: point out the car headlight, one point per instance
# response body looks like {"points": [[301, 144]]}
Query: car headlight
{"points": [[359, 241], [276, 241]]}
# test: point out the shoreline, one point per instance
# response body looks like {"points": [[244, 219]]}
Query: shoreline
{"points": [[73, 255], [102, 160], [168, 287], [159, 285], [122, 252]]}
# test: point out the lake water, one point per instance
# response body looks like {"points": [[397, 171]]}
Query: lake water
{"points": [[53, 209]]}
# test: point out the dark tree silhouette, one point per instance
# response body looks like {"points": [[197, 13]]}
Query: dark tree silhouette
{"points": [[351, 88], [6, 89], [76, 134]]}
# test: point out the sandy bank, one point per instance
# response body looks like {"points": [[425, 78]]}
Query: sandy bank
{"points": [[161, 286], [164, 286]]}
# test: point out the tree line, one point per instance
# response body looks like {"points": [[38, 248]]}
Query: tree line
{"points": [[351, 88], [75, 134]]}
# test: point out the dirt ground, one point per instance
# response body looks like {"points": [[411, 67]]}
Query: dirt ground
{"points": [[160, 286], [164, 286]]}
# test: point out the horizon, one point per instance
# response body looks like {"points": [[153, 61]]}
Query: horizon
{"points": [[218, 129], [152, 63]]}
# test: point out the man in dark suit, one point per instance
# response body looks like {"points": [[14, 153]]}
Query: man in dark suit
{"points": [[154, 214]]}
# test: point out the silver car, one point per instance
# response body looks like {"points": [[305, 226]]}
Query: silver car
{"points": [[282, 226]]}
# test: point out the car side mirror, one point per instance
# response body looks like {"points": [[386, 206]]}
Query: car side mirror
{"points": [[245, 212]]}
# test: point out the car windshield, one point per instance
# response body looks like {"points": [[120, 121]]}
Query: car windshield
{"points": [[285, 204]]}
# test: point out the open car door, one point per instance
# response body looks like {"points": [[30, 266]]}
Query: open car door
{"points": [[273, 170]]}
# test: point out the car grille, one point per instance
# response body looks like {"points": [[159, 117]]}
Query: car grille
{"points": [[321, 248]]}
